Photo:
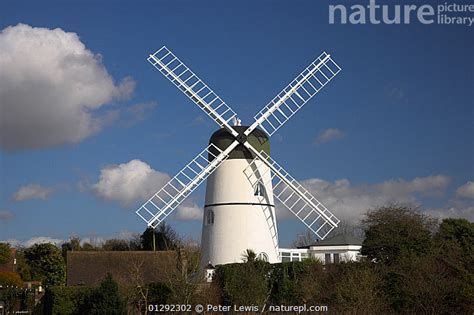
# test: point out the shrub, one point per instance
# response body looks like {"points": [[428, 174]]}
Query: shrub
{"points": [[158, 293], [246, 283], [5, 253], [67, 300], [356, 288], [10, 279], [46, 264], [106, 299], [288, 279]]}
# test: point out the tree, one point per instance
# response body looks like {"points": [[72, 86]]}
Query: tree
{"points": [[306, 239], [135, 242], [313, 282], [23, 268], [165, 238], [106, 299], [393, 229], [10, 279], [46, 264], [460, 231], [249, 256], [356, 289], [247, 283], [5, 253], [74, 244], [185, 276], [89, 247], [116, 244], [11, 297], [137, 289], [453, 258]]}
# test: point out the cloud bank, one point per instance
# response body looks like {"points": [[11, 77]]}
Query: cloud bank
{"points": [[349, 202], [466, 190], [51, 87]]}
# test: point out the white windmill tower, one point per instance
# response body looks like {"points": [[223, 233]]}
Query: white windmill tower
{"points": [[242, 178]]}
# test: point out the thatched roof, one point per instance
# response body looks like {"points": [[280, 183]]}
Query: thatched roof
{"points": [[90, 268]]}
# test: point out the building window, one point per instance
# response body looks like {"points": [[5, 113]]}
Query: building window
{"points": [[259, 190], [209, 217], [327, 258], [285, 256], [262, 256], [336, 258]]}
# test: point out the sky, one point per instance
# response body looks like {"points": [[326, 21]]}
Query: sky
{"points": [[89, 129]]}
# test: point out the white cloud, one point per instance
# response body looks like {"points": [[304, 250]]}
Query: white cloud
{"points": [[349, 202], [430, 185], [189, 212], [328, 135], [51, 87], [6, 215], [125, 235], [129, 182], [32, 191], [13, 242], [34, 240], [466, 190], [456, 211]]}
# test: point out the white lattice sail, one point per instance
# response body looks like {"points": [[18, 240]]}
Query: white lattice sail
{"points": [[168, 198], [192, 86], [306, 85], [294, 197]]}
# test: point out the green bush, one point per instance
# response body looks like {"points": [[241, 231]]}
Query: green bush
{"points": [[46, 264], [5, 253], [67, 300], [106, 299], [356, 287], [8, 278], [245, 284], [158, 293], [287, 281]]}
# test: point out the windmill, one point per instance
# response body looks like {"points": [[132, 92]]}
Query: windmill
{"points": [[242, 179]]}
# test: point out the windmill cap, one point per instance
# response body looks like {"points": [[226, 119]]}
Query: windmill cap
{"points": [[258, 139]]}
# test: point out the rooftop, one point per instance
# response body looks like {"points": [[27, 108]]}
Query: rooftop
{"points": [[338, 240]]}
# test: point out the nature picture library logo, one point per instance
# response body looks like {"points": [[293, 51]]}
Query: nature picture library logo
{"points": [[373, 13]]}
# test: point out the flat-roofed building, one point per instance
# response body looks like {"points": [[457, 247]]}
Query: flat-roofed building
{"points": [[342, 247]]}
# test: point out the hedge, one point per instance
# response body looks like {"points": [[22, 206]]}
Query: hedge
{"points": [[67, 300]]}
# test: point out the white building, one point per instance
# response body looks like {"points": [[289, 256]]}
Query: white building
{"points": [[342, 247]]}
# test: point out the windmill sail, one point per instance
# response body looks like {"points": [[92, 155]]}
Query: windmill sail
{"points": [[306, 85], [168, 198], [294, 196], [193, 87]]}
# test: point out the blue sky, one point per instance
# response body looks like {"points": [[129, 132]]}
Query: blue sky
{"points": [[395, 125]]}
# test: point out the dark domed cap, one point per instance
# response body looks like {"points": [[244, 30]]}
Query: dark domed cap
{"points": [[258, 139]]}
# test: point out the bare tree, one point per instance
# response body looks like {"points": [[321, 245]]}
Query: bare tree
{"points": [[137, 290], [305, 239], [185, 276], [309, 238]]}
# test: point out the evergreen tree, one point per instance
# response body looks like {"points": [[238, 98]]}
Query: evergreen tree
{"points": [[106, 298]]}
